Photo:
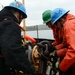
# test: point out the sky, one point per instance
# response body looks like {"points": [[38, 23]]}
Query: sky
{"points": [[35, 8]]}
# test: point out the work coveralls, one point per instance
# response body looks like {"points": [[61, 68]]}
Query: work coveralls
{"points": [[69, 35], [11, 49]]}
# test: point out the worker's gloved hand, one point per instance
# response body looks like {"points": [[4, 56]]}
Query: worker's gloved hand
{"points": [[53, 56], [51, 48], [47, 47]]}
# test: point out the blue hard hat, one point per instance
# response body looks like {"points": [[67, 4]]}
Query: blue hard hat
{"points": [[57, 14], [18, 5]]}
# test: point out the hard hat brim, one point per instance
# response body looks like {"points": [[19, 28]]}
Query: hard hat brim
{"points": [[24, 15], [47, 21]]}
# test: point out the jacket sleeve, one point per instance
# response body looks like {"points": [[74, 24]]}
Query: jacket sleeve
{"points": [[13, 51], [61, 52], [69, 59], [59, 46]]}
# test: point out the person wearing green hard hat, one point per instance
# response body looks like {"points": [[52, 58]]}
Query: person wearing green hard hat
{"points": [[46, 17], [12, 52]]}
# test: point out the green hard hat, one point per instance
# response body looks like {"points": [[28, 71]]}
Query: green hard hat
{"points": [[46, 16]]}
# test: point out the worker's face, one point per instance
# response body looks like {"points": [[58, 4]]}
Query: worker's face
{"points": [[49, 24], [59, 24], [20, 17]]}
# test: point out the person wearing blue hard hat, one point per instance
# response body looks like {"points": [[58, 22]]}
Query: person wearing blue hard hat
{"points": [[12, 53], [66, 23], [20, 8]]}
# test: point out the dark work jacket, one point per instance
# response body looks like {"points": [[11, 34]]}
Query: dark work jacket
{"points": [[10, 43]]}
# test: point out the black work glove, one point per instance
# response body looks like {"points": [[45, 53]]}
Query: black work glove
{"points": [[51, 48], [53, 57], [46, 47]]}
